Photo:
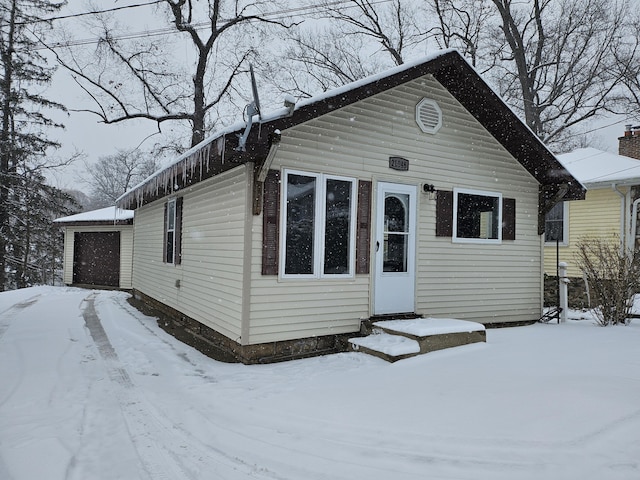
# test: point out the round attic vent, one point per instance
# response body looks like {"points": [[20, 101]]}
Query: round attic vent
{"points": [[428, 115]]}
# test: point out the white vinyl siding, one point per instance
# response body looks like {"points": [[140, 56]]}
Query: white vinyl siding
{"points": [[485, 283], [210, 275], [126, 250]]}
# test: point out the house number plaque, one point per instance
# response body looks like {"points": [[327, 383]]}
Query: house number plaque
{"points": [[399, 163]]}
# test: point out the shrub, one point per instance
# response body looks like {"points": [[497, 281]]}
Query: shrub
{"points": [[613, 275]]}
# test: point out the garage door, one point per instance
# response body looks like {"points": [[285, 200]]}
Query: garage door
{"points": [[96, 258]]}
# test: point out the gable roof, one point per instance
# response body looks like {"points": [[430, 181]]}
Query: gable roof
{"points": [[218, 153], [102, 216], [598, 169]]}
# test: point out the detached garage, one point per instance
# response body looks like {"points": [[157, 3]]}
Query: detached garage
{"points": [[98, 248]]}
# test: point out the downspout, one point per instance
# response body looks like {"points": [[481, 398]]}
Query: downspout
{"points": [[623, 217]]}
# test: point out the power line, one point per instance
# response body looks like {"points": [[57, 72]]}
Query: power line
{"points": [[84, 14], [302, 11]]}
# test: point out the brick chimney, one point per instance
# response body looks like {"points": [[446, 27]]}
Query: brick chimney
{"points": [[629, 145]]}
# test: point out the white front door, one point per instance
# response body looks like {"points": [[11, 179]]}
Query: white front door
{"points": [[395, 245]]}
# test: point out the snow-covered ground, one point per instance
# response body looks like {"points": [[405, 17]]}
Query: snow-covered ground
{"points": [[92, 389]]}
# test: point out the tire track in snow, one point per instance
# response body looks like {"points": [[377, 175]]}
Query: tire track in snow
{"points": [[166, 450], [10, 313], [155, 461]]}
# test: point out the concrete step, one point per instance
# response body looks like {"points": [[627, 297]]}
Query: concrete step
{"points": [[398, 339]]}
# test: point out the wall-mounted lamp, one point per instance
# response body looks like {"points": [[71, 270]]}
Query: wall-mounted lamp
{"points": [[430, 189]]}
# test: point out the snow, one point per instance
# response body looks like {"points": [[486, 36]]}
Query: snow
{"points": [[423, 327], [393, 345], [593, 167], [108, 214], [92, 389]]}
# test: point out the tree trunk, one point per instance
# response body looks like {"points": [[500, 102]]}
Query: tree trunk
{"points": [[6, 146]]}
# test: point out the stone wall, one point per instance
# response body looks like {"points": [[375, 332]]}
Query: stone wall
{"points": [[577, 292]]}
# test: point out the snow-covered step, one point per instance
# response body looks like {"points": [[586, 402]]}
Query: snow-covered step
{"points": [[409, 337], [387, 346]]}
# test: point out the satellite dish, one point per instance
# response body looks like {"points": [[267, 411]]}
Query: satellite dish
{"points": [[254, 88]]}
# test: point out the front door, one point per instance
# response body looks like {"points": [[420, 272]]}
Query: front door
{"points": [[395, 244]]}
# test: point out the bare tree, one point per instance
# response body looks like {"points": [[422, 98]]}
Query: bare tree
{"points": [[113, 175], [319, 60], [143, 79], [390, 25], [556, 63], [461, 24]]}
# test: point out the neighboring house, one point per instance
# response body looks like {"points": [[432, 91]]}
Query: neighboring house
{"points": [[416, 191], [98, 248], [610, 209]]}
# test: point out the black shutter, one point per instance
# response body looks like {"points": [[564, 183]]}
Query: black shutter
{"points": [[444, 214], [177, 257], [508, 219], [363, 227], [270, 223]]}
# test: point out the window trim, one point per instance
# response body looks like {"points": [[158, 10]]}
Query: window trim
{"points": [[565, 227], [484, 193], [319, 226], [168, 230]]}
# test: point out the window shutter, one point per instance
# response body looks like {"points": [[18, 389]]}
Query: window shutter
{"points": [[270, 223], [363, 227], [178, 232], [164, 238], [508, 219], [444, 214]]}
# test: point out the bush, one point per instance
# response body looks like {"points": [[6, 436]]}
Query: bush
{"points": [[613, 275]]}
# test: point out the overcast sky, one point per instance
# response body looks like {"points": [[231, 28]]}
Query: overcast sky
{"points": [[84, 133]]}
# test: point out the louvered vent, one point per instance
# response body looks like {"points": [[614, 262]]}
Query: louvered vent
{"points": [[428, 115]]}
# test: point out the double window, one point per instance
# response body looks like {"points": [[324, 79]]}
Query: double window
{"points": [[318, 225]]}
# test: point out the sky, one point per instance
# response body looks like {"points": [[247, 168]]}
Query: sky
{"points": [[93, 389], [85, 134]]}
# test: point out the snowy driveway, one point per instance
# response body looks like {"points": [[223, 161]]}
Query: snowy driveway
{"points": [[92, 389]]}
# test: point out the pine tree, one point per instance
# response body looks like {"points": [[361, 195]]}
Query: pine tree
{"points": [[23, 138]]}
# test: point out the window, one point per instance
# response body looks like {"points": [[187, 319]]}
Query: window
{"points": [[173, 231], [318, 225], [555, 224], [477, 216]]}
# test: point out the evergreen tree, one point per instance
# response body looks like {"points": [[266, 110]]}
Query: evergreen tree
{"points": [[23, 138]]}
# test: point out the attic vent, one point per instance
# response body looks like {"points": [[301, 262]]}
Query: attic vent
{"points": [[428, 115]]}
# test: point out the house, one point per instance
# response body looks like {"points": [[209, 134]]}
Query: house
{"points": [[98, 248], [416, 191], [610, 209]]}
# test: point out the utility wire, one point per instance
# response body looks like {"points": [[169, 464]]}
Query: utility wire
{"points": [[302, 11], [84, 14]]}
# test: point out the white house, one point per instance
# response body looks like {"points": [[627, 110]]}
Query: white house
{"points": [[413, 192]]}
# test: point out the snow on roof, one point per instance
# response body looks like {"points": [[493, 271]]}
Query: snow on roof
{"points": [[108, 214], [594, 168], [201, 150]]}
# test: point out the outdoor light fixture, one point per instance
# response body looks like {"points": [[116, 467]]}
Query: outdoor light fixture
{"points": [[428, 188]]}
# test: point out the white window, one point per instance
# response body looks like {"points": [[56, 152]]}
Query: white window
{"points": [[556, 225], [477, 216], [170, 232], [318, 225]]}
